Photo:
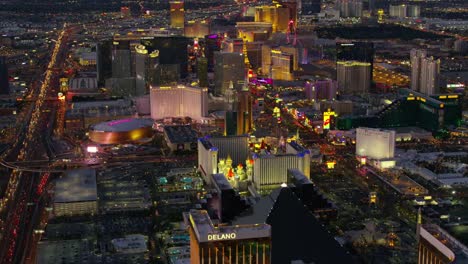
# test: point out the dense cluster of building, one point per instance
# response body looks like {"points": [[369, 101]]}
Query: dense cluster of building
{"points": [[215, 127]]}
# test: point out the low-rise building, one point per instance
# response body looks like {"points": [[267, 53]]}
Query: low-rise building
{"points": [[87, 58], [179, 138], [130, 244], [66, 251], [84, 86], [118, 195], [76, 193]]}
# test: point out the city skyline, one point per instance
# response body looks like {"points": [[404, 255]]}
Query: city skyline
{"points": [[237, 131]]}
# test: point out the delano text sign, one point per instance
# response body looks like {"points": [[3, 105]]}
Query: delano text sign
{"points": [[226, 236]]}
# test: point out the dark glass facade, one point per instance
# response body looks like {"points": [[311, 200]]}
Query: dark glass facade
{"points": [[244, 113], [121, 59], [212, 44], [310, 7], [230, 123], [356, 51], [202, 71], [412, 109], [4, 85], [172, 51]]}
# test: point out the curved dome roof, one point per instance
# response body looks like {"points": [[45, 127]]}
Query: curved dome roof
{"points": [[122, 125]]}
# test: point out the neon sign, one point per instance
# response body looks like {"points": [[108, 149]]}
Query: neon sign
{"points": [[118, 122], [216, 237]]}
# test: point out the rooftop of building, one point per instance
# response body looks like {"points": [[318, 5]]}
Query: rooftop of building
{"points": [[66, 251], [83, 84], [421, 97], [221, 139], [134, 243], [176, 86], [120, 187], [296, 146], [76, 186], [260, 209], [88, 56], [203, 226], [100, 112], [180, 134], [227, 137], [206, 143], [221, 182], [299, 177], [273, 156], [253, 24], [75, 230], [372, 129], [118, 103], [122, 125], [180, 172], [447, 252]]}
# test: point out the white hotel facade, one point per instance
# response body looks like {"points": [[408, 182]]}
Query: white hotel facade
{"points": [[178, 101]]}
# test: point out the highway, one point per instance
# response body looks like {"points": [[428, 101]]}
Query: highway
{"points": [[26, 188], [59, 166]]}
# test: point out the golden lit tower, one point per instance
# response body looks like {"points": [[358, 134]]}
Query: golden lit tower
{"points": [[244, 110], [177, 14], [246, 57]]}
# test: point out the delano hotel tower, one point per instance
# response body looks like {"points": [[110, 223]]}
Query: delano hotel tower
{"points": [[239, 244]]}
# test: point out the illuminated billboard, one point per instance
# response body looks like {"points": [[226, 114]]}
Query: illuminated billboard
{"points": [[327, 118], [92, 149]]}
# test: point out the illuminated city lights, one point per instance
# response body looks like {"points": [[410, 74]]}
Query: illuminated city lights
{"points": [[233, 131], [92, 149]]}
